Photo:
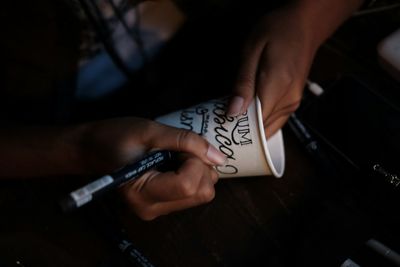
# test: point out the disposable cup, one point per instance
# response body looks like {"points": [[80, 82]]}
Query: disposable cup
{"points": [[242, 139]]}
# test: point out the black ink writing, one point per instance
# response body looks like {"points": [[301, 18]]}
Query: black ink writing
{"points": [[221, 132], [241, 132], [227, 169], [186, 119]]}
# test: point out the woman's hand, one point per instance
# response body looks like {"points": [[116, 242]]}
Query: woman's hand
{"points": [[275, 65], [113, 143], [158, 193], [279, 53]]}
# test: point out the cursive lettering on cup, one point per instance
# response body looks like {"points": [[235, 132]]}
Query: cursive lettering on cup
{"points": [[227, 169], [221, 132], [186, 119]]}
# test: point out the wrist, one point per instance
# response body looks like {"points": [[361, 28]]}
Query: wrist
{"points": [[40, 151], [301, 21], [320, 19], [72, 145]]}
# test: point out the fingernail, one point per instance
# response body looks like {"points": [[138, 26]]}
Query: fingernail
{"points": [[235, 107], [215, 156]]}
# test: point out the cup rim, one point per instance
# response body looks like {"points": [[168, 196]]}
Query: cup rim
{"points": [[277, 173]]}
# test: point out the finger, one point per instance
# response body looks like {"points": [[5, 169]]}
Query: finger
{"points": [[287, 104], [281, 112], [271, 129], [280, 83], [166, 137], [168, 186], [244, 90], [149, 210], [273, 83], [204, 194]]}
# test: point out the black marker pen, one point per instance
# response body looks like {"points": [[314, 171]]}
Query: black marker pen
{"points": [[106, 183], [306, 138]]}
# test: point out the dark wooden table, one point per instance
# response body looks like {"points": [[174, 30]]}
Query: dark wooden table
{"points": [[302, 219]]}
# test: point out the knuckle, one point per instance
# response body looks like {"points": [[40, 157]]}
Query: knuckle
{"points": [[130, 197], [287, 80], [184, 139], [145, 213], [244, 81], [190, 179], [187, 187], [214, 175], [206, 194]]}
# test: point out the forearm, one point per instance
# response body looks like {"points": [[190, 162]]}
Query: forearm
{"points": [[40, 151], [323, 17]]}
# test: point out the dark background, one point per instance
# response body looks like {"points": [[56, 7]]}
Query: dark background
{"points": [[307, 218]]}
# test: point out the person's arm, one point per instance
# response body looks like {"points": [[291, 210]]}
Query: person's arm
{"points": [[28, 152], [100, 147], [278, 55], [324, 17]]}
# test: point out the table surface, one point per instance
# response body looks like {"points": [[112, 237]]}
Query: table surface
{"points": [[301, 219]]}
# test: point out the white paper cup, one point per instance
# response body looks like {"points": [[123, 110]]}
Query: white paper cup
{"points": [[242, 139]]}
